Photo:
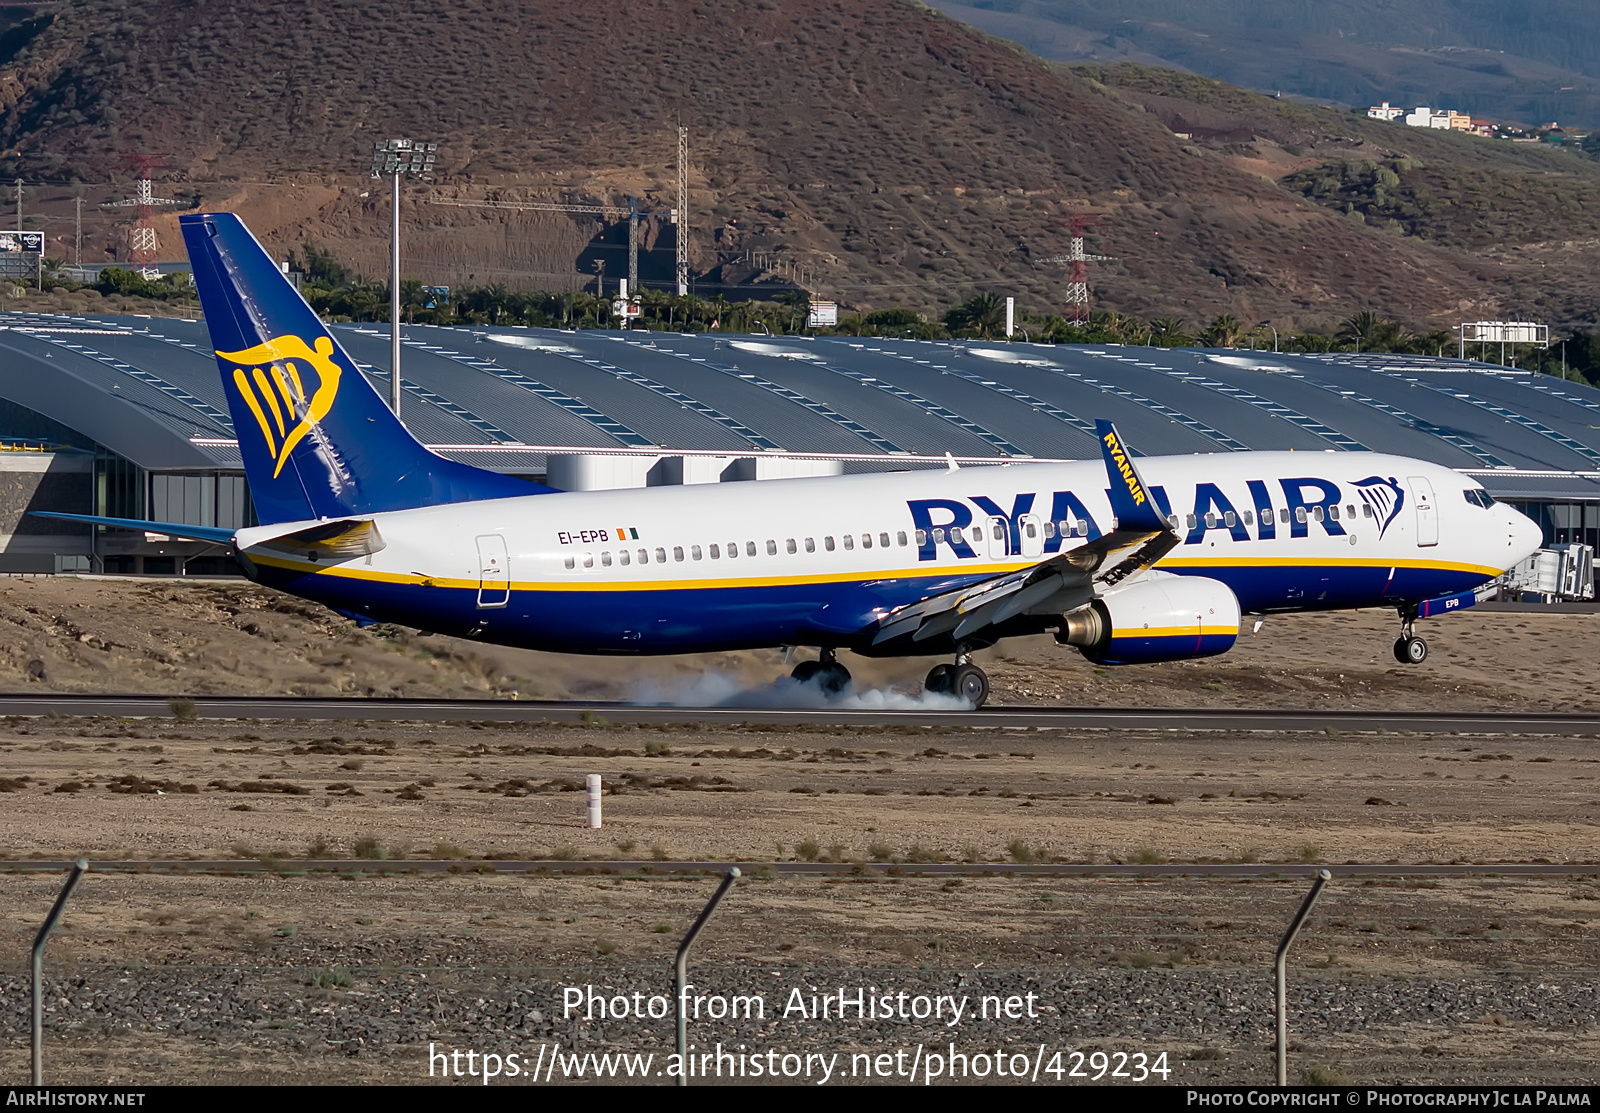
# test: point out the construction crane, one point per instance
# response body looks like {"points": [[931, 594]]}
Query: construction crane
{"points": [[633, 212], [1077, 308]]}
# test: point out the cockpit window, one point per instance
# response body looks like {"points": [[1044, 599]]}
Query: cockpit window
{"points": [[1479, 497]]}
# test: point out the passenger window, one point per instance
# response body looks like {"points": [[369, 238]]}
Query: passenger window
{"points": [[588, 560], [605, 560], [1366, 509], [694, 552], [901, 537], [938, 536], [772, 548], [866, 540], [1350, 510], [883, 540], [827, 543], [1049, 529], [570, 562], [789, 545], [677, 552], [850, 541], [811, 545], [1211, 521], [1030, 529], [622, 558], [661, 556], [749, 548], [644, 556], [922, 537], [1191, 521], [1228, 519], [716, 553], [1299, 514], [1248, 519], [1283, 514], [733, 550], [1316, 513]]}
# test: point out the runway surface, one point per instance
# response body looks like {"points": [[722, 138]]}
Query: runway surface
{"points": [[646, 869], [575, 711]]}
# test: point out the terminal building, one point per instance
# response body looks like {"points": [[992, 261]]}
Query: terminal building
{"points": [[125, 417]]}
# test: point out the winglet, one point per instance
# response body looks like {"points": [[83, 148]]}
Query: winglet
{"points": [[1130, 498]]}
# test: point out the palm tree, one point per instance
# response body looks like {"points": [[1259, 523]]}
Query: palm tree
{"points": [[980, 316], [1224, 332], [1170, 332], [1369, 332]]}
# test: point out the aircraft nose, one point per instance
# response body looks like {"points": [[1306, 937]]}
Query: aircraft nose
{"points": [[1526, 536]]}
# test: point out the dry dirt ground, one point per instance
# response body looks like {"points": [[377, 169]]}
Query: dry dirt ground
{"points": [[332, 978]]}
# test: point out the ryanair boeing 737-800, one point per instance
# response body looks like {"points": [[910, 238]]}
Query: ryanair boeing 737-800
{"points": [[1130, 564]]}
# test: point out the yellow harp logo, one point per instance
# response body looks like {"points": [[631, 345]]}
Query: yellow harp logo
{"points": [[273, 379]]}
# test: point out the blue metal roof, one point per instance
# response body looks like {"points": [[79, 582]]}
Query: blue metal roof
{"points": [[148, 389]]}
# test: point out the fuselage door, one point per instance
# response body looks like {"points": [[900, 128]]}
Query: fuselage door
{"points": [[494, 571], [999, 531], [1427, 510], [1032, 532]]}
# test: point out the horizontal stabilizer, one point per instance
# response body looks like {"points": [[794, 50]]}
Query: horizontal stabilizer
{"points": [[171, 529]]}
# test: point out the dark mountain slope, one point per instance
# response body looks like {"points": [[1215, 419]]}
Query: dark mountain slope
{"points": [[894, 154]]}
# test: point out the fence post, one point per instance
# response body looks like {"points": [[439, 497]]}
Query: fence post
{"points": [[591, 784], [1323, 877], [682, 969], [78, 869]]}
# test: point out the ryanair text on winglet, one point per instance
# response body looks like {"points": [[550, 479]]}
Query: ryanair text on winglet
{"points": [[1120, 458]]}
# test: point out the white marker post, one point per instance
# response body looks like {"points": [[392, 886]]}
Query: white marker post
{"points": [[592, 782], [1011, 317]]}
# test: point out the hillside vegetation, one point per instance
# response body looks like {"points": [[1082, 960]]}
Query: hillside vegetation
{"points": [[887, 154]]}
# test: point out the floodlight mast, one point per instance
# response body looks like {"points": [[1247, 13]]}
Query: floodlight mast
{"points": [[395, 158]]}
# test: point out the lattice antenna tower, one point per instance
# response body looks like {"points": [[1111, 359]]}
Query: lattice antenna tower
{"points": [[143, 244], [680, 215], [1077, 260]]}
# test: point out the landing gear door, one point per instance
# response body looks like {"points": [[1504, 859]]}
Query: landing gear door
{"points": [[1032, 533], [494, 572], [999, 537], [1427, 510]]}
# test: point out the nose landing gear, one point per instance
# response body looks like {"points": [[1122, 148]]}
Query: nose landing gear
{"points": [[1408, 648], [829, 674], [963, 679]]}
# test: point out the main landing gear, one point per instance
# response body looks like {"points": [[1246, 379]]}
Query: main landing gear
{"points": [[1408, 648], [828, 673], [962, 679]]}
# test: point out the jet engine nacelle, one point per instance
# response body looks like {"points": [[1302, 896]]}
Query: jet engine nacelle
{"points": [[1160, 618]]}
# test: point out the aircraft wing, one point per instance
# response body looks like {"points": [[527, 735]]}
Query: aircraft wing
{"points": [[1062, 583]]}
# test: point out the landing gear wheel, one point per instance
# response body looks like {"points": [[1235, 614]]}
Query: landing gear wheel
{"points": [[833, 678], [939, 679], [1410, 651], [805, 672], [970, 683]]}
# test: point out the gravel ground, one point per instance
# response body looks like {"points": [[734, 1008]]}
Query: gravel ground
{"points": [[300, 979]]}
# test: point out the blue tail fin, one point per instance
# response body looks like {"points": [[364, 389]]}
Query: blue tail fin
{"points": [[317, 440]]}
